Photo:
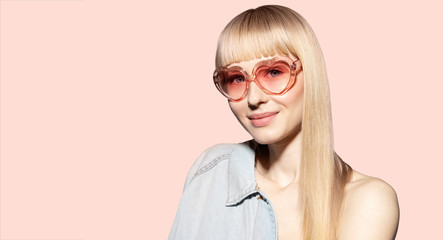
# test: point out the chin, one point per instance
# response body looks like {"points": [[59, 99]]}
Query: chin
{"points": [[263, 141], [265, 138]]}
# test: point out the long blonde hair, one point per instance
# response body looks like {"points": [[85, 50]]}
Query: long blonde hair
{"points": [[276, 30]]}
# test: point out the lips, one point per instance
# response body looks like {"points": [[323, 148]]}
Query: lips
{"points": [[262, 119]]}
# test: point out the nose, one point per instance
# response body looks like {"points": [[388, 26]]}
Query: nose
{"points": [[256, 96]]}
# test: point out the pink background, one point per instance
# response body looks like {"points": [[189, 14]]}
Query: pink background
{"points": [[106, 104]]}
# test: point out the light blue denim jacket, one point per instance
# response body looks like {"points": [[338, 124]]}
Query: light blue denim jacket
{"points": [[221, 199]]}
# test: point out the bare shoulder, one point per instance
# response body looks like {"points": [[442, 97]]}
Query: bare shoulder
{"points": [[362, 187], [370, 210]]}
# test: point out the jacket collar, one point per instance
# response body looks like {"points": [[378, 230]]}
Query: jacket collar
{"points": [[241, 174]]}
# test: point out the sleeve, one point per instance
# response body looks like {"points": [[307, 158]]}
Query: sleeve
{"points": [[194, 168], [175, 234]]}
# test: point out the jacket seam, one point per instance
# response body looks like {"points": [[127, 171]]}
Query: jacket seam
{"points": [[255, 220], [209, 166], [229, 173]]}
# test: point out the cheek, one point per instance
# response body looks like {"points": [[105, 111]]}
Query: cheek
{"points": [[239, 110], [293, 99], [235, 108], [299, 85]]}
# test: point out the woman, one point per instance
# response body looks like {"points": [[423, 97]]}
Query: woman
{"points": [[286, 183]]}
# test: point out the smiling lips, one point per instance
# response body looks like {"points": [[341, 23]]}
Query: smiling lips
{"points": [[262, 119]]}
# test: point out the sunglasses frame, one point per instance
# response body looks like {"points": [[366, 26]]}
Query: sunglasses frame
{"points": [[253, 78]]}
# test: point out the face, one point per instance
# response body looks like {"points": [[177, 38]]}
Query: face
{"points": [[270, 118]]}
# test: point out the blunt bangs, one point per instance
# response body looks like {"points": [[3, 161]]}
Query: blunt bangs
{"points": [[254, 34]]}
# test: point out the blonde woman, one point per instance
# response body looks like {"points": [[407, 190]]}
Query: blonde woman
{"points": [[288, 182]]}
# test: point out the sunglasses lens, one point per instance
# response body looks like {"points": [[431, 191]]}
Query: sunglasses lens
{"points": [[275, 77], [272, 76], [231, 83]]}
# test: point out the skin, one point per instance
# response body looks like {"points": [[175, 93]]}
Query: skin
{"points": [[370, 207]]}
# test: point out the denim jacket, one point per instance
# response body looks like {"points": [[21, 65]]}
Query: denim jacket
{"points": [[221, 199]]}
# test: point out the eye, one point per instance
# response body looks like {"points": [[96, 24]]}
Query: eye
{"points": [[236, 79], [274, 73]]}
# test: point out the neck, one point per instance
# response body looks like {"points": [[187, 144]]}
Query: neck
{"points": [[282, 163]]}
